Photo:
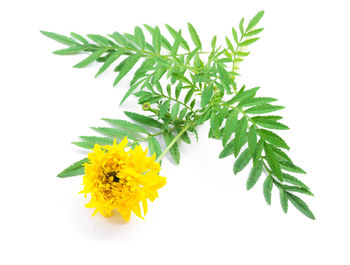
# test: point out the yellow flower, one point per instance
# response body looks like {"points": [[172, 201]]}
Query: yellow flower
{"points": [[121, 179]]}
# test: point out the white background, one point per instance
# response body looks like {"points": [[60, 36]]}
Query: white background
{"points": [[204, 215]]}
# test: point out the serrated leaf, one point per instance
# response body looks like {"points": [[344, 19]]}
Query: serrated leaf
{"points": [[214, 125], [229, 44], [91, 58], [154, 146], [189, 95], [111, 58], [100, 40], [178, 90], [256, 101], [112, 132], [252, 140], [194, 36], [129, 126], [176, 44], [254, 175], [267, 189], [230, 125], [85, 145], [291, 167], [301, 206], [273, 162], [79, 38], [174, 150], [173, 33], [254, 21], [265, 108], [241, 27], [284, 200], [293, 180], [297, 189], [97, 140], [240, 135], [70, 50], [143, 119], [139, 37], [258, 150], [247, 42], [127, 65], [60, 38], [206, 95], [175, 111], [182, 113], [129, 92], [240, 96], [164, 108], [242, 161], [271, 124], [75, 169], [273, 138], [157, 40], [186, 138], [282, 156]]}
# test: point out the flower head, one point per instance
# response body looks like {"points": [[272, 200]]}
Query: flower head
{"points": [[121, 179]]}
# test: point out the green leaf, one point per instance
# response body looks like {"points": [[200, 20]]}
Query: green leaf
{"points": [[164, 108], [143, 119], [258, 150], [271, 124], [252, 140], [173, 33], [254, 32], [186, 138], [254, 21], [243, 95], [175, 111], [229, 44], [247, 42], [284, 200], [230, 125], [97, 140], [301, 205], [126, 66], [113, 133], [100, 40], [111, 58], [182, 113], [273, 138], [242, 161], [234, 34], [70, 50], [60, 38], [273, 162], [206, 95], [139, 37], [213, 43], [254, 175], [177, 42], [157, 40], [293, 180], [85, 145], [129, 126], [291, 167], [194, 36], [240, 135], [241, 27], [178, 90], [91, 58], [267, 189], [214, 125], [154, 146], [174, 150], [282, 156], [129, 92], [261, 109], [79, 38], [255, 101], [297, 189], [189, 95], [74, 170]]}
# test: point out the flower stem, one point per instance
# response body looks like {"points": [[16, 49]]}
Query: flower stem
{"points": [[166, 150]]}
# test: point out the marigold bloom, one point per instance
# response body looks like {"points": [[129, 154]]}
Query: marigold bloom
{"points": [[121, 179]]}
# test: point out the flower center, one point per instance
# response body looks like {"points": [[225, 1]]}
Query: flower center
{"points": [[114, 175]]}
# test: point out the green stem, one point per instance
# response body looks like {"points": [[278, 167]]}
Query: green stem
{"points": [[166, 150]]}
